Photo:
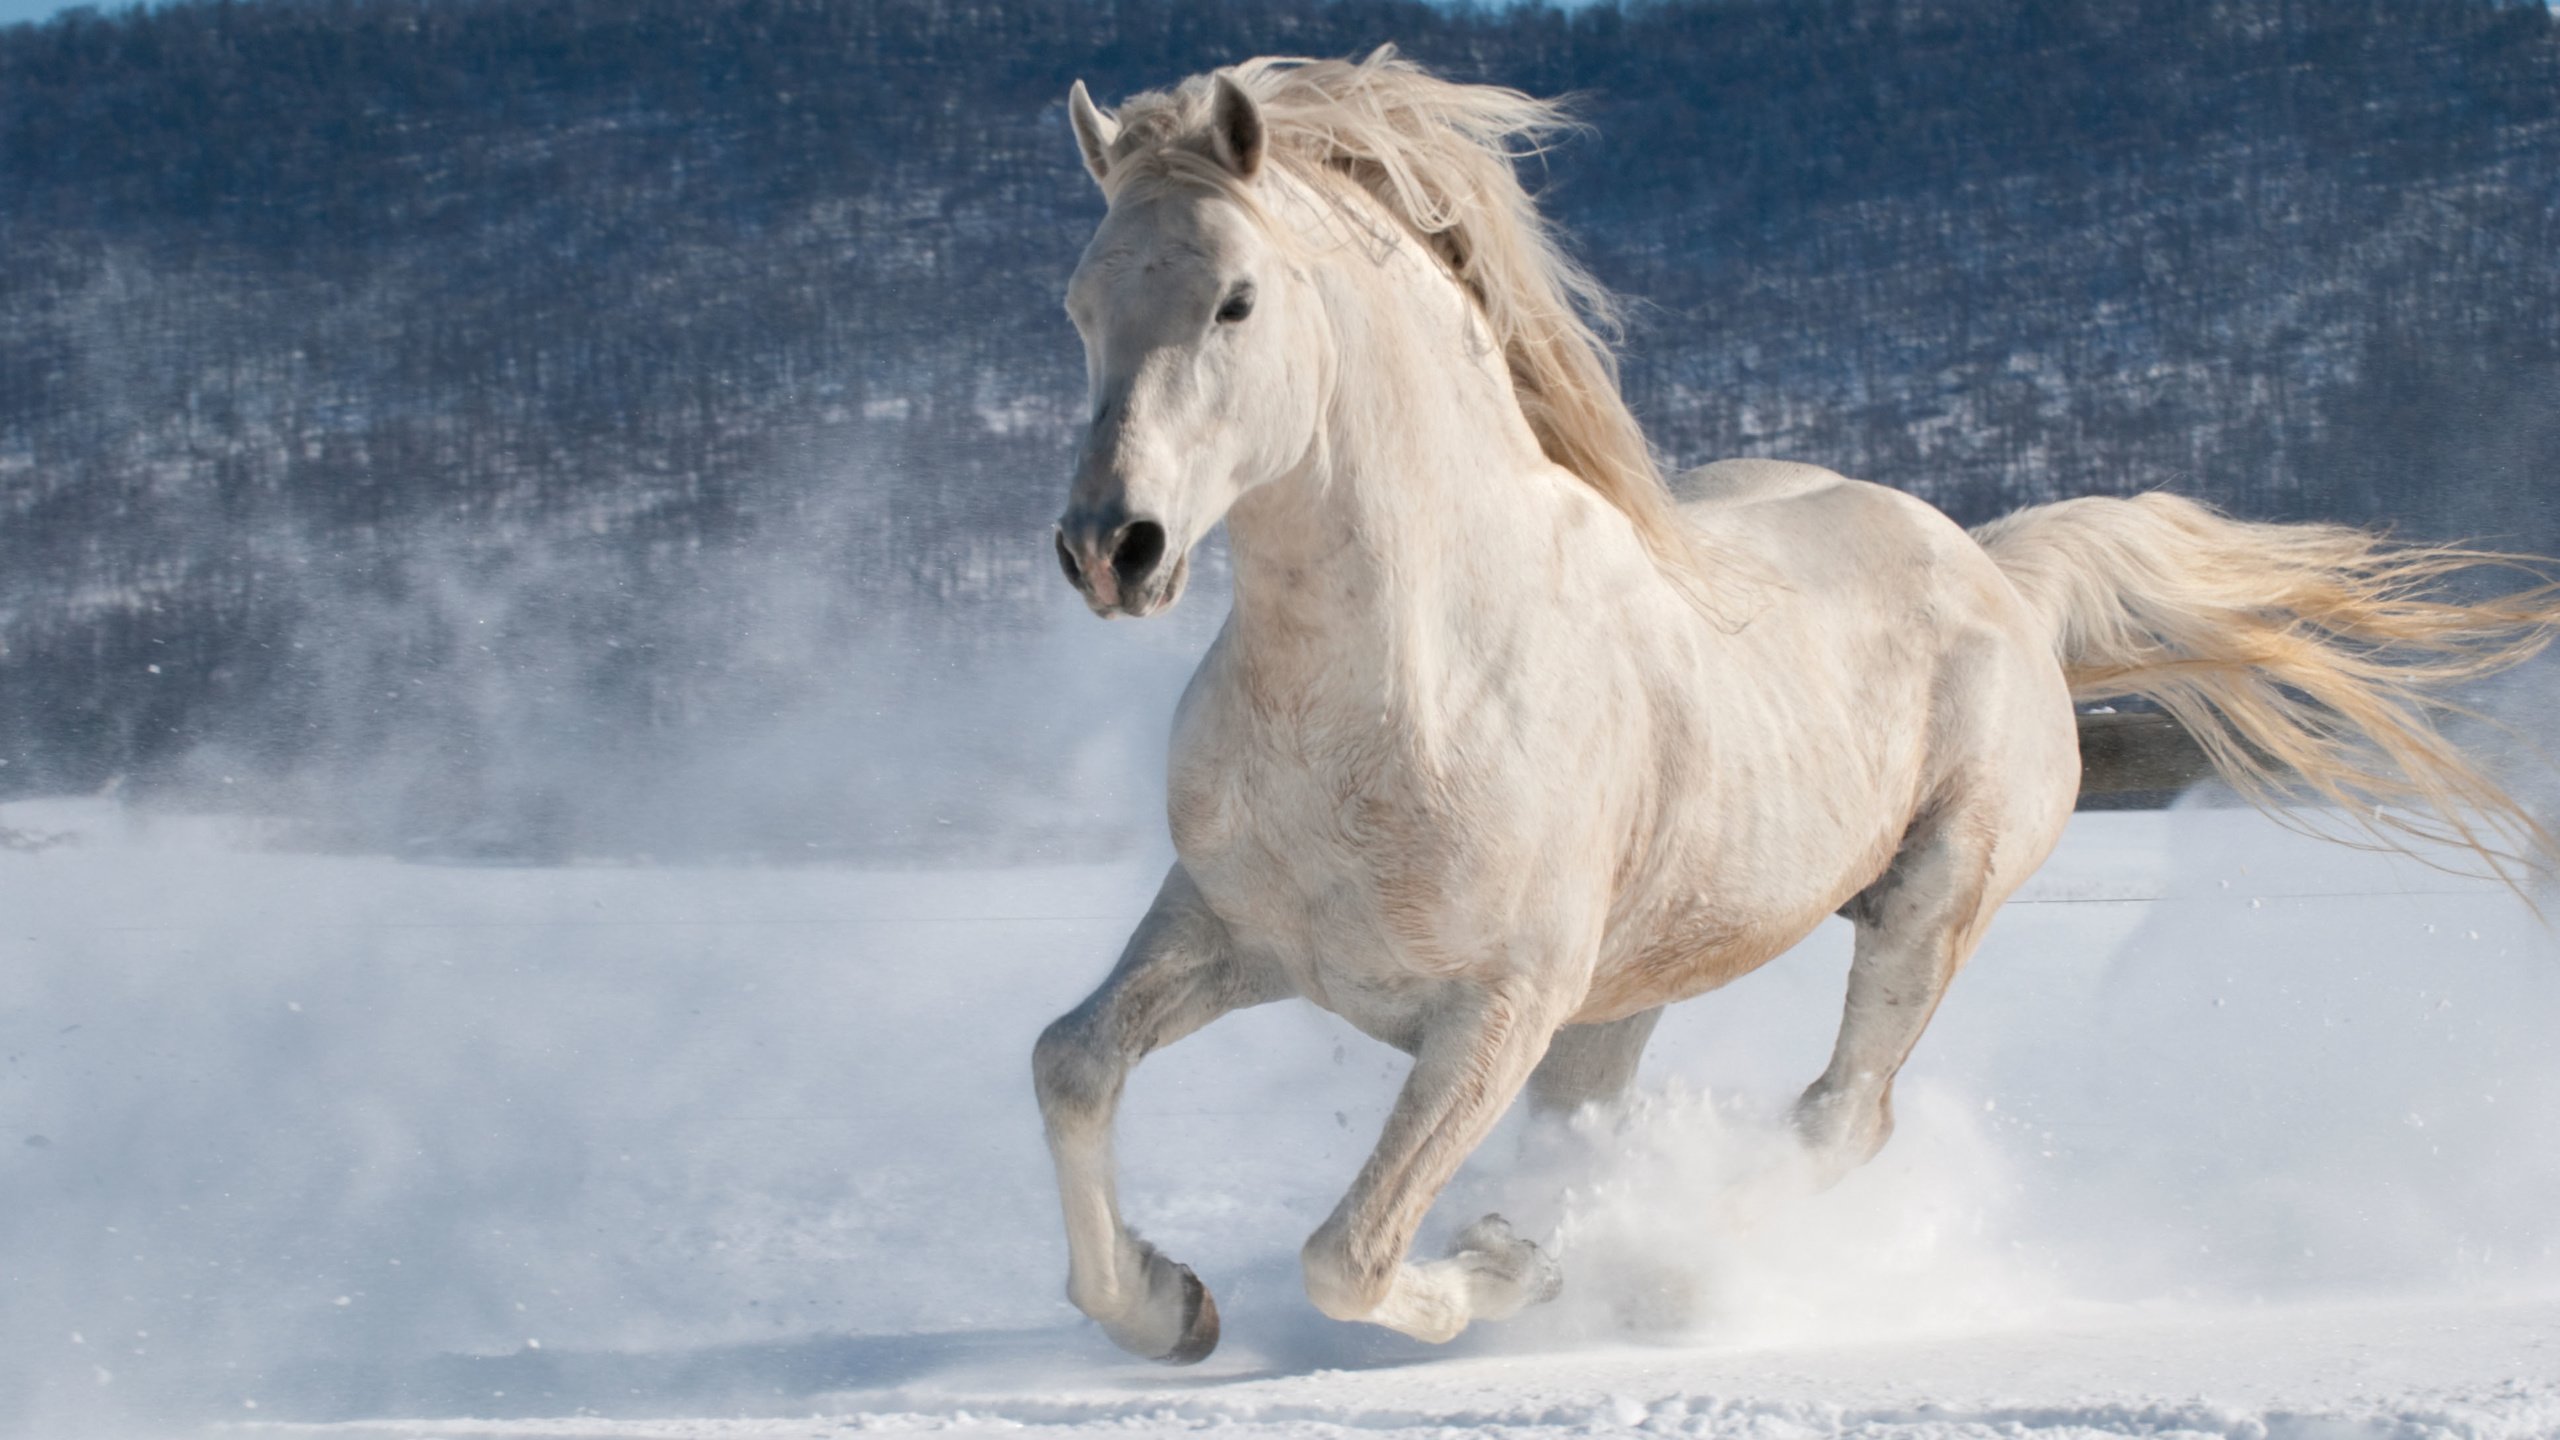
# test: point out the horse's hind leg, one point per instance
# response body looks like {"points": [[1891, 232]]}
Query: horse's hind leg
{"points": [[1916, 926], [1591, 1064], [1178, 973]]}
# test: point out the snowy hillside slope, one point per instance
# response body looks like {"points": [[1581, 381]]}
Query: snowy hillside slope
{"points": [[416, 384], [2224, 1132]]}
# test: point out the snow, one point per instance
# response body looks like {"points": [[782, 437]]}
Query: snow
{"points": [[2225, 1132]]}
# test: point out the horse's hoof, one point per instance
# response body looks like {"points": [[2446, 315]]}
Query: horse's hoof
{"points": [[1506, 1273], [1199, 1323], [1173, 1322]]}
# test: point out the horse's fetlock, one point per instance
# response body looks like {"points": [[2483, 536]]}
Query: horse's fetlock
{"points": [[1099, 1299], [1882, 1129], [1111, 1292], [1338, 1283]]}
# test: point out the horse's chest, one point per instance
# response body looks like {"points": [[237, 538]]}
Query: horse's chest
{"points": [[1332, 852], [1292, 832]]}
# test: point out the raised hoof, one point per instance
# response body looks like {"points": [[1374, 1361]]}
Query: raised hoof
{"points": [[1199, 1323], [1506, 1273]]}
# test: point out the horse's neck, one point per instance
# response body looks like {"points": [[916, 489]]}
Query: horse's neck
{"points": [[1427, 513]]}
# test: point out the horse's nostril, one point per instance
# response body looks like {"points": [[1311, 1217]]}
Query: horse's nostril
{"points": [[1066, 558], [1134, 557]]}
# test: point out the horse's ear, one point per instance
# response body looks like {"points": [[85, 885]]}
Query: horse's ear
{"points": [[1235, 127], [1094, 130]]}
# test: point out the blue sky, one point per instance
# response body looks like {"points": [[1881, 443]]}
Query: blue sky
{"points": [[12, 11]]}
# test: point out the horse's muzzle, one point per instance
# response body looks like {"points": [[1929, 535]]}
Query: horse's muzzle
{"points": [[1119, 564]]}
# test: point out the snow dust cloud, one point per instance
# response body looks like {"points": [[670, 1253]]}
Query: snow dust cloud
{"points": [[874, 660], [2201, 1060]]}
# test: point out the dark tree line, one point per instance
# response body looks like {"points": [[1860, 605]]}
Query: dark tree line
{"points": [[359, 358]]}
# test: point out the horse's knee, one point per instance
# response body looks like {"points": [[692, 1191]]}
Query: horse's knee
{"points": [[1342, 1284], [1069, 1073]]}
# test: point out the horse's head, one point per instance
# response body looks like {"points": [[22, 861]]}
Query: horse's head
{"points": [[1201, 340]]}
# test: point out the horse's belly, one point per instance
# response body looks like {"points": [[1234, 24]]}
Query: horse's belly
{"points": [[1682, 956], [1737, 885]]}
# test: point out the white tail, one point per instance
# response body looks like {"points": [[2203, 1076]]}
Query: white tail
{"points": [[2312, 654]]}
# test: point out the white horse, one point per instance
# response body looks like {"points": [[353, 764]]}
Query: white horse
{"points": [[1502, 749]]}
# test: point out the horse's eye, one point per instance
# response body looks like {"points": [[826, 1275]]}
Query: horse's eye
{"points": [[1238, 306]]}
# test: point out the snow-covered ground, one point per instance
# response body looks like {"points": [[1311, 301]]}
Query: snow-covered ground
{"points": [[2224, 1132]]}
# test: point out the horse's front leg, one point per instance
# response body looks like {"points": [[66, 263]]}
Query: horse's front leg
{"points": [[1178, 973], [1472, 1061]]}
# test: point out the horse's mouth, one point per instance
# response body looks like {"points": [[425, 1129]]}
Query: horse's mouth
{"points": [[1153, 596]]}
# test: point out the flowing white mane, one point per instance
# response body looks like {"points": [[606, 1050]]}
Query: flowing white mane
{"points": [[1439, 156]]}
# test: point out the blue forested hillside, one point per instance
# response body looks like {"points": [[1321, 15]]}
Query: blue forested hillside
{"points": [[383, 382]]}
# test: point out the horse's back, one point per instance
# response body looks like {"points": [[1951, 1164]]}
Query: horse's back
{"points": [[1847, 541], [1751, 481]]}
